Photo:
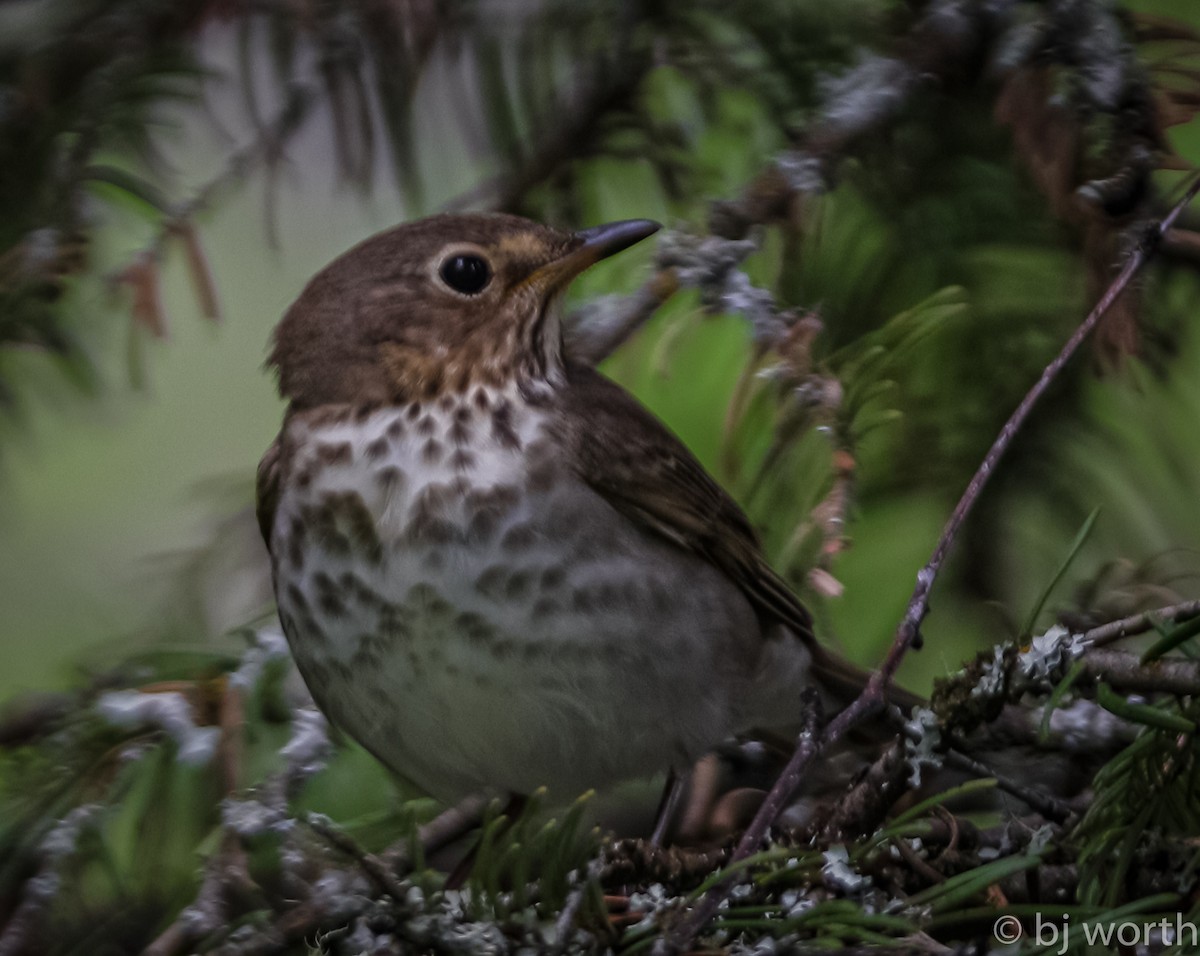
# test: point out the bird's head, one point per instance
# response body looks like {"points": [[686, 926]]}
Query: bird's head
{"points": [[439, 304]]}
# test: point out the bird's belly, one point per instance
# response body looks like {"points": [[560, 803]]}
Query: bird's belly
{"points": [[493, 623]]}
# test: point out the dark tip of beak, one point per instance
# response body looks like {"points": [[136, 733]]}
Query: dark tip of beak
{"points": [[589, 246], [612, 237]]}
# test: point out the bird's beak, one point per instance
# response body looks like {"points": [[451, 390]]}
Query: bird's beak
{"points": [[589, 246]]}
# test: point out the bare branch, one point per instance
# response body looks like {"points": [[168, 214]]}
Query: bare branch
{"points": [[598, 329], [1140, 623], [1126, 673], [439, 832], [20, 934], [376, 869]]}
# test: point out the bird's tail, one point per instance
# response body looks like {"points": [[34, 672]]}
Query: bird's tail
{"points": [[1014, 746]]}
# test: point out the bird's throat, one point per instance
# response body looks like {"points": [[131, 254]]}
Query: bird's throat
{"points": [[526, 356]]}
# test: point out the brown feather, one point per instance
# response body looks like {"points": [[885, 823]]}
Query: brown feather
{"points": [[627, 455], [267, 489], [644, 471]]}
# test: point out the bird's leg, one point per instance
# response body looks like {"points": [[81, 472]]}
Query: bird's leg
{"points": [[667, 806], [512, 810], [705, 779], [440, 832]]}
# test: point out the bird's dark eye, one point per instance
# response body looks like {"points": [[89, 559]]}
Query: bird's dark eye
{"points": [[465, 273]]}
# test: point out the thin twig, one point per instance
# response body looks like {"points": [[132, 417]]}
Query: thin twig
{"points": [[810, 743], [867, 803], [23, 931], [439, 832], [566, 917], [923, 867], [594, 332], [874, 695], [298, 103], [1128, 674], [1139, 623], [573, 134], [375, 868], [298, 923], [225, 870], [266, 146], [1049, 807], [634, 861]]}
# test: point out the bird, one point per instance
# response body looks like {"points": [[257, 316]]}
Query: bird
{"points": [[496, 570]]}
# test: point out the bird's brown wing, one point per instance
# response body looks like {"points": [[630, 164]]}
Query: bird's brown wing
{"points": [[267, 489], [645, 472]]}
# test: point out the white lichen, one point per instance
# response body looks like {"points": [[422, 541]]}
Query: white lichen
{"points": [[167, 711], [269, 645], [922, 744], [839, 875]]}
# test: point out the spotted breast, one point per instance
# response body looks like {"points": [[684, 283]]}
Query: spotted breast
{"points": [[475, 613]]}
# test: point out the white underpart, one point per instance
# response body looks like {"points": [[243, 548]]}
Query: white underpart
{"points": [[608, 653]]}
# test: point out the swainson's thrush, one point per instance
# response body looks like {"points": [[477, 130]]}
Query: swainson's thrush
{"points": [[495, 568]]}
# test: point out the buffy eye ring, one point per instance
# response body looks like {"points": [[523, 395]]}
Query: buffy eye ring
{"points": [[466, 273]]}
